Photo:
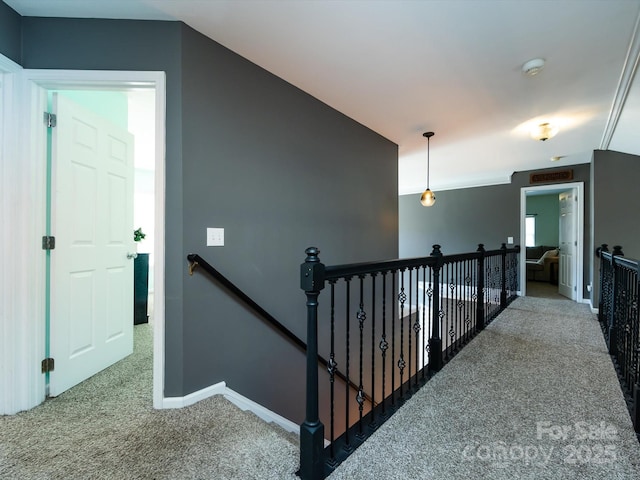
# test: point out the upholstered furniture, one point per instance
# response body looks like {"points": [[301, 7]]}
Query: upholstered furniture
{"points": [[542, 263]]}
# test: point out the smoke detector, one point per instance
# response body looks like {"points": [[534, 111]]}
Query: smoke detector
{"points": [[533, 67]]}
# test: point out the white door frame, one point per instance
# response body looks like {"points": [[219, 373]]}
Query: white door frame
{"points": [[578, 188], [22, 325]]}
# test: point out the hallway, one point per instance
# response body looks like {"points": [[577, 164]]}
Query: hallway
{"points": [[534, 396]]}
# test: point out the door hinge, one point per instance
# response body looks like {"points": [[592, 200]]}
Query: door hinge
{"points": [[48, 242], [50, 119], [48, 365]]}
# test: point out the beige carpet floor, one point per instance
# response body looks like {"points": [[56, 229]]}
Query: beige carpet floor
{"points": [[534, 396], [106, 428]]}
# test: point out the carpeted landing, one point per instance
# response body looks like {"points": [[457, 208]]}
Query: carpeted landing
{"points": [[106, 428], [534, 396]]}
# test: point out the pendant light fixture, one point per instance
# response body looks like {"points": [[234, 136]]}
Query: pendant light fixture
{"points": [[428, 198]]}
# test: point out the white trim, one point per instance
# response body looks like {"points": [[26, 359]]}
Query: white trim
{"points": [[264, 413], [195, 397], [24, 330], [501, 179], [7, 65], [12, 399], [237, 399], [23, 276], [624, 85], [578, 188]]}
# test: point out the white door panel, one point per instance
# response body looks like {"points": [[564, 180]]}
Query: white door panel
{"points": [[567, 275], [92, 220]]}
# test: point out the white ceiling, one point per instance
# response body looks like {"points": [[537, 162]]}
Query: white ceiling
{"points": [[450, 66]]}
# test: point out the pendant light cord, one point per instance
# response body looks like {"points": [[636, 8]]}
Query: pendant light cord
{"points": [[428, 160]]}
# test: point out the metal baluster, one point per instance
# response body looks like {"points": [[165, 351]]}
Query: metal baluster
{"points": [[467, 287], [401, 363], [332, 370], [450, 311], [430, 316], [384, 345], [424, 320], [409, 327], [393, 337], [361, 316], [459, 313], [416, 326], [635, 387], [480, 288], [373, 349], [615, 326], [473, 282], [603, 283], [628, 329], [347, 443]]}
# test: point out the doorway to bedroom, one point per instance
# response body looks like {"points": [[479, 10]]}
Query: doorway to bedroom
{"points": [[552, 233]]}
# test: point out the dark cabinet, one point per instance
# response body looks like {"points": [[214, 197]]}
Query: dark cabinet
{"points": [[140, 288]]}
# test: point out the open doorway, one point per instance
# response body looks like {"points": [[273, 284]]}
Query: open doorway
{"points": [[557, 213], [100, 204], [24, 344]]}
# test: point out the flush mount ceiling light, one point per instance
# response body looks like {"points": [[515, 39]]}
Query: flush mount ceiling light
{"points": [[428, 198], [544, 131], [533, 67], [557, 158]]}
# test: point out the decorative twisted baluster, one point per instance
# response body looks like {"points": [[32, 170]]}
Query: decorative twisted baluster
{"points": [[402, 297], [384, 345], [362, 317]]}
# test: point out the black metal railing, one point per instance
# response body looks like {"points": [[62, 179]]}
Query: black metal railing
{"points": [[619, 318], [389, 326], [196, 260]]}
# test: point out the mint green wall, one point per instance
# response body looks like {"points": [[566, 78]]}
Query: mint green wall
{"points": [[547, 210], [110, 105]]}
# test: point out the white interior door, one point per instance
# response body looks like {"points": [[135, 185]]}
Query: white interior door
{"points": [[91, 265], [567, 275]]}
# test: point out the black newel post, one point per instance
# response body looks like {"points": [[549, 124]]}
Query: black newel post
{"points": [[480, 301], [613, 325], [601, 315], [312, 430], [435, 342]]}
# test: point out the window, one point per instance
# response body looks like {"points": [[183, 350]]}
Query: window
{"points": [[530, 231]]}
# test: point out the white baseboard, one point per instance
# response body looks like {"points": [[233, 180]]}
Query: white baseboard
{"points": [[237, 399], [265, 414], [195, 397]]}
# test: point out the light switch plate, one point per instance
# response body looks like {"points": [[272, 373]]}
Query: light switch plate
{"points": [[510, 240], [215, 237]]}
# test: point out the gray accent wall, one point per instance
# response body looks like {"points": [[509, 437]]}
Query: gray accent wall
{"points": [[248, 152], [10, 33], [279, 171], [462, 218], [615, 191], [459, 220]]}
